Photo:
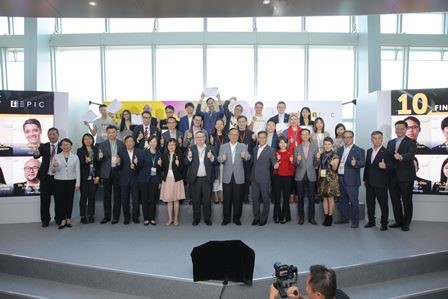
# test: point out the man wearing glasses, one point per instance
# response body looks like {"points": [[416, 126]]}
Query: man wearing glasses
{"points": [[32, 184], [412, 131], [351, 162], [142, 132]]}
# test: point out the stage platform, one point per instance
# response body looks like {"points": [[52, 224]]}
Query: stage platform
{"points": [[136, 261]]}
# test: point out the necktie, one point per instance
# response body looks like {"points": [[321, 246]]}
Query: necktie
{"points": [[146, 133], [53, 149]]}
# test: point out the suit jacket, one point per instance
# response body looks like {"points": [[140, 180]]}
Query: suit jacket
{"points": [[306, 165], [404, 170], [262, 167], [106, 162], [275, 118], [247, 139], [236, 168], [177, 170], [140, 128], [190, 142], [45, 153], [227, 114], [67, 170], [193, 165], [146, 161], [85, 167], [216, 142], [209, 120], [374, 176], [126, 173], [352, 175], [274, 143], [166, 136], [183, 125]]}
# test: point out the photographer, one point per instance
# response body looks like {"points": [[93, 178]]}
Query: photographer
{"points": [[320, 283]]}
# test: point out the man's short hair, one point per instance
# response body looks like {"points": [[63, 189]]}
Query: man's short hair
{"points": [[271, 121], [401, 122], [259, 103], [239, 106], [349, 131], [111, 127], [102, 106], [53, 129], [210, 99], [233, 129], [189, 104], [262, 132], [146, 112], [199, 132], [444, 123], [323, 280], [32, 121], [198, 115], [171, 117], [281, 102], [169, 107], [376, 133], [242, 116], [414, 119], [305, 130]]}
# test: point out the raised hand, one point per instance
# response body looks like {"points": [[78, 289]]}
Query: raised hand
{"points": [[224, 157], [190, 154], [232, 99], [100, 155], [202, 96], [189, 135], [162, 141], [254, 118], [397, 156], [177, 161], [299, 157], [291, 159], [212, 140], [318, 154], [382, 165], [135, 160], [353, 162], [278, 157], [88, 160], [254, 137], [210, 155], [36, 151], [277, 165], [140, 136], [159, 162]]}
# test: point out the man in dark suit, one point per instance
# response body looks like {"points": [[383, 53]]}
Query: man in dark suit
{"points": [[272, 134], [163, 124], [402, 177], [376, 179], [211, 115], [47, 151], [201, 174], [110, 173], [171, 132], [186, 121], [352, 159], [129, 157], [281, 119], [263, 160], [142, 132], [248, 138]]}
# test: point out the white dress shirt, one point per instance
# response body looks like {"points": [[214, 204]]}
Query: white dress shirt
{"points": [[260, 149], [344, 159], [233, 150]]}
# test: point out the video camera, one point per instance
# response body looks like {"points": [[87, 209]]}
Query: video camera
{"points": [[286, 277]]}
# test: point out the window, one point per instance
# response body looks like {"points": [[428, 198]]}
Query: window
{"points": [[388, 23], [19, 25], [230, 24], [391, 68], [86, 25], [131, 25], [15, 69], [128, 73], [180, 24], [331, 73], [423, 23], [179, 72], [281, 73], [327, 24], [4, 27], [231, 69], [279, 24], [78, 72], [428, 68]]}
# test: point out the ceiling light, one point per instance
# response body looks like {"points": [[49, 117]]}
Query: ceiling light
{"points": [[92, 3], [266, 2]]}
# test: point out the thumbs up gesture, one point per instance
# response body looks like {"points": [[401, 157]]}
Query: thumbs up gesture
{"points": [[254, 137], [277, 165], [140, 136], [159, 162], [135, 160], [212, 140], [299, 157], [179, 140], [291, 140], [189, 135], [55, 163], [291, 159], [190, 154], [117, 159], [353, 162], [177, 161], [100, 155], [210, 155], [382, 165], [36, 151], [278, 157], [397, 156], [318, 154], [162, 141], [224, 157], [88, 160]]}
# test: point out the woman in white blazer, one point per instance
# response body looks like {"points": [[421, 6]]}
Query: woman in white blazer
{"points": [[66, 182]]}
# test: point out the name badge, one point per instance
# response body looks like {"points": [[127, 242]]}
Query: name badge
{"points": [[114, 160], [323, 173], [153, 171]]}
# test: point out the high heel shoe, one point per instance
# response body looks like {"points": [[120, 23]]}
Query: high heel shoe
{"points": [[169, 223]]}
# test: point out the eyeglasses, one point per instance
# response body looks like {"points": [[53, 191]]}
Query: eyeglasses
{"points": [[28, 169], [412, 127], [348, 137]]}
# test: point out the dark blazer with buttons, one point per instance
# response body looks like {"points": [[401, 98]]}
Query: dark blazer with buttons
{"points": [[374, 176], [352, 174], [274, 143], [177, 170], [145, 163], [262, 167], [193, 165], [405, 169], [247, 140], [166, 136], [141, 129], [106, 162], [45, 153], [126, 173], [82, 153], [275, 118], [184, 125]]}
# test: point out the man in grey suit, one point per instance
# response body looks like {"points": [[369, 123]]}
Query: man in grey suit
{"points": [[306, 162], [189, 140], [110, 173], [263, 160], [172, 132], [232, 155]]}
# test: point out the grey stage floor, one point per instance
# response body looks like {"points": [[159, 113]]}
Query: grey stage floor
{"points": [[165, 251]]}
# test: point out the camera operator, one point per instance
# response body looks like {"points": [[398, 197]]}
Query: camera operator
{"points": [[320, 284]]}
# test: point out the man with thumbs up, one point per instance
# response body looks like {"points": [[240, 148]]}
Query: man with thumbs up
{"points": [[200, 159], [376, 179], [351, 162]]}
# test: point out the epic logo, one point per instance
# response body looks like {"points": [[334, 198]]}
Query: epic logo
{"points": [[27, 104]]}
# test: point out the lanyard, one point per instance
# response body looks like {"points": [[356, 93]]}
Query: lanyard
{"points": [[153, 158]]}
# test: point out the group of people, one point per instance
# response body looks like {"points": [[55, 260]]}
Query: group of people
{"points": [[219, 155]]}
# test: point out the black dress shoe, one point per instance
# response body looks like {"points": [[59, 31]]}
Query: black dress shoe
{"points": [[61, 226], [368, 224], [105, 220], [114, 221], [208, 222], [276, 221], [263, 223], [255, 222], [383, 227], [45, 224], [301, 221], [69, 225], [91, 219], [354, 225], [146, 223], [395, 225], [283, 221], [153, 222], [126, 222], [195, 222], [405, 228], [312, 221], [237, 222], [84, 220], [225, 222]]}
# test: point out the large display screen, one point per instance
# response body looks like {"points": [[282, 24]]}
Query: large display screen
{"points": [[25, 117], [426, 113]]}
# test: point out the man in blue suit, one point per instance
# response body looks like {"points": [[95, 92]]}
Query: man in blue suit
{"points": [[211, 115], [186, 121], [352, 160]]}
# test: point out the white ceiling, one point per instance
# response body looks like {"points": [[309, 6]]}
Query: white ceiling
{"points": [[212, 8]]}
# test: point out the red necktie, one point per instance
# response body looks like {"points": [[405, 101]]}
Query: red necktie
{"points": [[146, 133]]}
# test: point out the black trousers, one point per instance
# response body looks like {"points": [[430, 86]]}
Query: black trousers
{"points": [[46, 190], [63, 196], [87, 199], [301, 188], [281, 189], [401, 197], [201, 193], [246, 187], [127, 191], [381, 195], [113, 182], [149, 194], [232, 196]]}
